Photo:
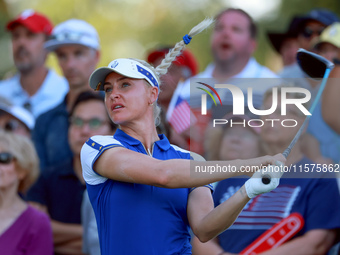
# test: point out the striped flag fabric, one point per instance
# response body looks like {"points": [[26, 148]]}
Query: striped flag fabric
{"points": [[181, 116], [265, 210]]}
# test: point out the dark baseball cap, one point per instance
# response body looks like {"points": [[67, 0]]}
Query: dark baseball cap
{"points": [[324, 16], [278, 38]]}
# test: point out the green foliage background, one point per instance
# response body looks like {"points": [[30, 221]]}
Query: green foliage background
{"points": [[131, 28]]}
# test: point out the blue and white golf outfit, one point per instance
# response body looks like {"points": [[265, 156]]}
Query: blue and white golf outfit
{"points": [[135, 218]]}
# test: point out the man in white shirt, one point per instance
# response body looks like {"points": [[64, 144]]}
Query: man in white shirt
{"points": [[233, 43], [35, 87]]}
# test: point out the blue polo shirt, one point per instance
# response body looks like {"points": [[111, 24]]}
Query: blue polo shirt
{"points": [[135, 218]]}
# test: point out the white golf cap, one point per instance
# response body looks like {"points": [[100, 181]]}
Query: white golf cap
{"points": [[19, 113], [73, 31], [126, 67]]}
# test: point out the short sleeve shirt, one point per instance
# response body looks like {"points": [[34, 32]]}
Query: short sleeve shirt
{"points": [[317, 200], [49, 95], [135, 218]]}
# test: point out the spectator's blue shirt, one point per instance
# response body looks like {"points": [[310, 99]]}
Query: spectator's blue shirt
{"points": [[60, 190], [135, 218], [317, 200], [329, 140], [50, 136]]}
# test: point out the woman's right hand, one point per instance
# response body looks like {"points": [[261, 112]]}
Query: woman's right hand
{"points": [[273, 172]]}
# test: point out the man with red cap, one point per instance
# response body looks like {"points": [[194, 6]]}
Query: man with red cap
{"points": [[35, 87], [184, 67]]}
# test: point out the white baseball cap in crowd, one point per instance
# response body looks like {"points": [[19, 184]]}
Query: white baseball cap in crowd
{"points": [[19, 113], [73, 31], [126, 67]]}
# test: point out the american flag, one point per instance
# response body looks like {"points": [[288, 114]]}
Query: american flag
{"points": [[265, 210], [181, 116]]}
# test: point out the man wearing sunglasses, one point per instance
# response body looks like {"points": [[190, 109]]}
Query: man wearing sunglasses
{"points": [[308, 28], [35, 87], [327, 141], [312, 25], [76, 45]]}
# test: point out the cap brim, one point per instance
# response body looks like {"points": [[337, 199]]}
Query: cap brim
{"points": [[303, 20], [126, 67], [10, 26], [97, 78], [52, 45], [318, 43], [21, 114], [277, 39]]}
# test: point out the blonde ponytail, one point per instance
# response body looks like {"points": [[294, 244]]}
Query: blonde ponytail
{"points": [[174, 52]]}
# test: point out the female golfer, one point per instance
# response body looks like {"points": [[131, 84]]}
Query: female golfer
{"points": [[140, 186]]}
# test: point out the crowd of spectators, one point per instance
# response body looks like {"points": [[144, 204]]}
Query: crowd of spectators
{"points": [[45, 119]]}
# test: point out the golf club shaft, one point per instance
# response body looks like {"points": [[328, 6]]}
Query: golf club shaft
{"points": [[266, 177], [315, 102]]}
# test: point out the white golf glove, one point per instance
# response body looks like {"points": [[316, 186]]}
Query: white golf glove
{"points": [[254, 186]]}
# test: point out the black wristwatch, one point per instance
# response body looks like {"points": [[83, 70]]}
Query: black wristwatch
{"points": [[336, 61]]}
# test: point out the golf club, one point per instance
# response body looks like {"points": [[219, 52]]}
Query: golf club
{"points": [[315, 66]]}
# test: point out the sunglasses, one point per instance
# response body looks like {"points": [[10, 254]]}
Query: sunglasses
{"points": [[6, 158], [13, 125], [93, 123], [71, 36], [308, 32]]}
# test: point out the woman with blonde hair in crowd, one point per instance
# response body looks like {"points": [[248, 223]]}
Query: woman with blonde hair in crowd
{"points": [[141, 187], [23, 229]]}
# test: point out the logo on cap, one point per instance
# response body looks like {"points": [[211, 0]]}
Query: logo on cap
{"points": [[27, 13], [114, 64]]}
